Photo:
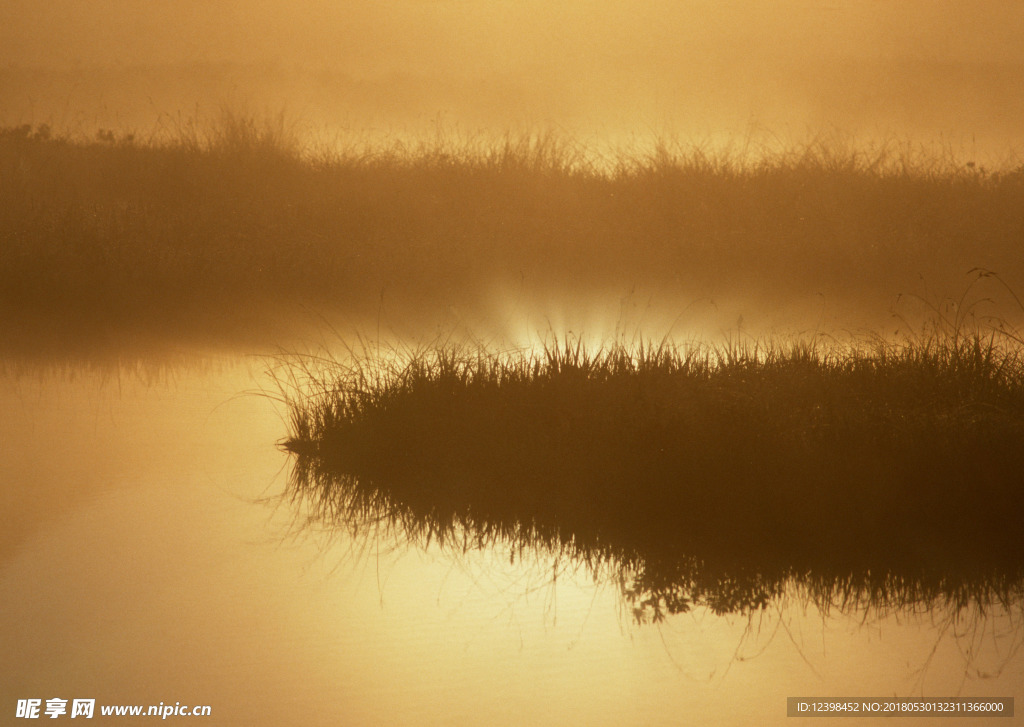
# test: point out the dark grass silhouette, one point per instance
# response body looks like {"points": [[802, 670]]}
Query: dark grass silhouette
{"points": [[213, 230], [880, 474]]}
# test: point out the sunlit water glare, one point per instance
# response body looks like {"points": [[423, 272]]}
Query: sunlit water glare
{"points": [[148, 557]]}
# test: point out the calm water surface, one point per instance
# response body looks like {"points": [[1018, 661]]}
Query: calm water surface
{"points": [[144, 558]]}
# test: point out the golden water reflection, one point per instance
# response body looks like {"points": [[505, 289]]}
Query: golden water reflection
{"points": [[144, 560]]}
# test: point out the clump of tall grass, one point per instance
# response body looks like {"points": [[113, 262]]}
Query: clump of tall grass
{"points": [[216, 228], [710, 474]]}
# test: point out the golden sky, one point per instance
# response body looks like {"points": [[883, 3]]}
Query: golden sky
{"points": [[460, 36], [913, 67]]}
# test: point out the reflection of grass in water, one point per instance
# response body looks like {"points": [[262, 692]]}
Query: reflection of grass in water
{"points": [[881, 474]]}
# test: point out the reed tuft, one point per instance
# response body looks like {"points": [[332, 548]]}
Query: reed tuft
{"points": [[692, 468]]}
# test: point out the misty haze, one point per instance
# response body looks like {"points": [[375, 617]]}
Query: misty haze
{"points": [[486, 362]]}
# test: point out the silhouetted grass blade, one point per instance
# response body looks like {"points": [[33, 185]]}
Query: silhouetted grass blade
{"points": [[882, 473]]}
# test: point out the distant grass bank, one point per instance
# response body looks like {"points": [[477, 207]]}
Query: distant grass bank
{"points": [[878, 474], [215, 230]]}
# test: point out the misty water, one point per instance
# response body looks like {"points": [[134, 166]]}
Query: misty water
{"points": [[150, 555]]}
